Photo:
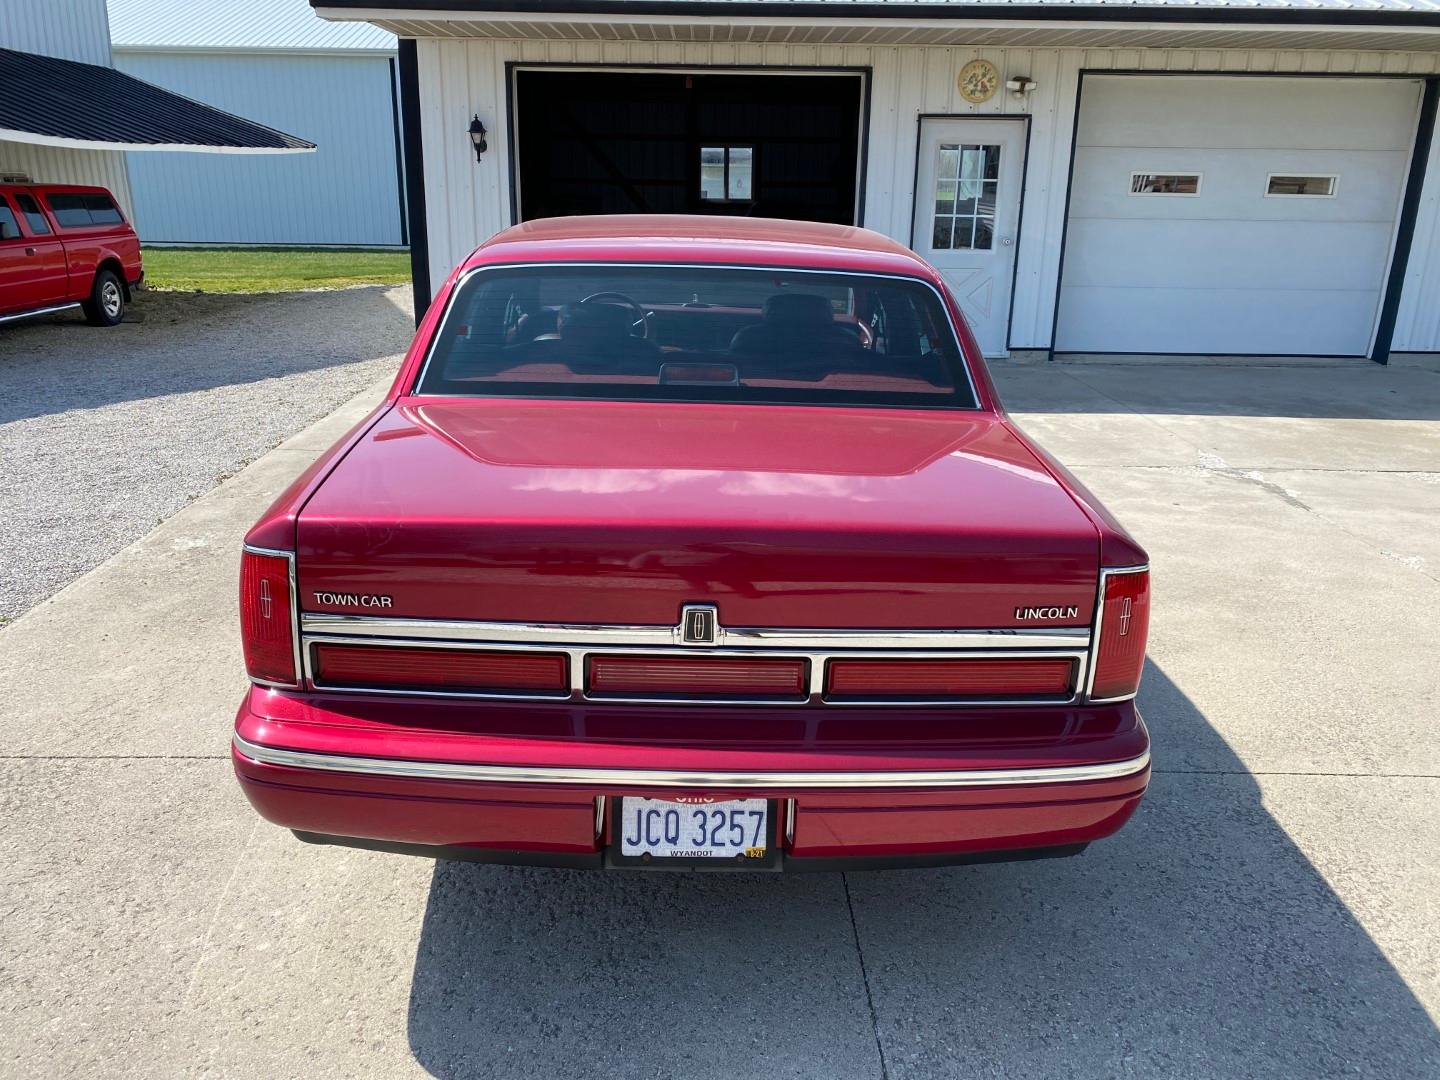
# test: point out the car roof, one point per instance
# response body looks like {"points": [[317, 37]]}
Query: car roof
{"points": [[692, 238]]}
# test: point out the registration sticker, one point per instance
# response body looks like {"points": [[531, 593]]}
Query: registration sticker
{"points": [[694, 828]]}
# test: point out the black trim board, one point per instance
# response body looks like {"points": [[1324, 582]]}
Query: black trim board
{"points": [[399, 152], [1211, 14], [414, 159], [1409, 206], [1409, 215]]}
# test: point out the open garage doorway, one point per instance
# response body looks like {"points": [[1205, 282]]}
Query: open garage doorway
{"points": [[689, 142]]}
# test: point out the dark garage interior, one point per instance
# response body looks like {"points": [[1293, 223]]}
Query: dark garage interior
{"points": [[688, 143]]}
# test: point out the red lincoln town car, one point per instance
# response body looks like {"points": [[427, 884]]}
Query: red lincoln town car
{"points": [[693, 542]]}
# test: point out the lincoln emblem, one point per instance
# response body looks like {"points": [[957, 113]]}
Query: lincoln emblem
{"points": [[1125, 616], [699, 624]]}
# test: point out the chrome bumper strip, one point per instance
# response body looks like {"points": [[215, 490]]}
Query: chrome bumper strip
{"points": [[591, 636], [658, 778]]}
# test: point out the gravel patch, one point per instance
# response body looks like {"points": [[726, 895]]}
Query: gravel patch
{"points": [[104, 433]]}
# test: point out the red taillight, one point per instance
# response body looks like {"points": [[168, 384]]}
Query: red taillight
{"points": [[950, 678], [267, 631], [701, 677], [460, 670], [1123, 624]]}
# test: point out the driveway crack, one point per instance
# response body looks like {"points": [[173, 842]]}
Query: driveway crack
{"points": [[865, 978]]}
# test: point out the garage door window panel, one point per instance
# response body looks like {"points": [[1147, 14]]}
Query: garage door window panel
{"points": [[1291, 186], [1154, 183]]}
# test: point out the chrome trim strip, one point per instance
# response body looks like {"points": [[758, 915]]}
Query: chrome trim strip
{"points": [[51, 310], [1099, 617], [817, 661], [599, 816], [662, 778], [789, 822], [442, 327], [592, 635], [289, 557]]}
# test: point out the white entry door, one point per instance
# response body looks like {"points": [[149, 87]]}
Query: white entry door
{"points": [[967, 209]]}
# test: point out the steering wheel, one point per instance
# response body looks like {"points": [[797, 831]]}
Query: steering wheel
{"points": [[641, 322]]}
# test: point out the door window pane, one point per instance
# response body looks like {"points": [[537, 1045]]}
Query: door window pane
{"points": [[34, 217], [967, 183], [9, 227]]}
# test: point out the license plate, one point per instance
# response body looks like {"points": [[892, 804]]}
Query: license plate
{"points": [[736, 829]]}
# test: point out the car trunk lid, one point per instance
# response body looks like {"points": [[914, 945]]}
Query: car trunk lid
{"points": [[619, 513]]}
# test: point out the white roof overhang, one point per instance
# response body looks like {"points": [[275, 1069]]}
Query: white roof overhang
{"points": [[1209, 28]]}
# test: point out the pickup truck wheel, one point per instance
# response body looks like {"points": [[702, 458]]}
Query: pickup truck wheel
{"points": [[106, 306]]}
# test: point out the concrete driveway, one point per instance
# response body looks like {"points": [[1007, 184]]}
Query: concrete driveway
{"points": [[1271, 911]]}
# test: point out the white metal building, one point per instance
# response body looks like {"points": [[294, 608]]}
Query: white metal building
{"points": [[1113, 176], [74, 31], [68, 117], [274, 61]]}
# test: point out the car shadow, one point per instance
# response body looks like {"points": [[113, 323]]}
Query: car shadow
{"points": [[1200, 941], [184, 342]]}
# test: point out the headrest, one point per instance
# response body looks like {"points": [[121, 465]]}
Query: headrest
{"points": [[595, 322], [805, 309]]}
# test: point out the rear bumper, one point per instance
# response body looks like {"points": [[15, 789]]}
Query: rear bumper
{"points": [[337, 777]]}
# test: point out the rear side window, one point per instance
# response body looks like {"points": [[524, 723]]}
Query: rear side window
{"points": [[69, 210], [103, 210], [9, 227], [79, 211], [33, 215]]}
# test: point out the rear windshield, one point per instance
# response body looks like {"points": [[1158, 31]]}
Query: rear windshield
{"points": [[688, 333]]}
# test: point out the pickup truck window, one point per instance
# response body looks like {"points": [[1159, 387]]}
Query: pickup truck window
{"points": [[80, 211], [9, 227], [34, 216], [698, 333]]}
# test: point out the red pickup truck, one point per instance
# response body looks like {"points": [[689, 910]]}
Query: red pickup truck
{"points": [[693, 542], [64, 246]]}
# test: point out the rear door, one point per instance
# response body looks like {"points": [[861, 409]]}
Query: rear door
{"points": [[32, 258]]}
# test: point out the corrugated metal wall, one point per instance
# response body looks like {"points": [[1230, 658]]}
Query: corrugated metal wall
{"points": [[73, 30], [346, 192], [467, 202]]}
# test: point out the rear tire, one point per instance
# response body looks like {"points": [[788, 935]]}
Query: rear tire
{"points": [[106, 305]]}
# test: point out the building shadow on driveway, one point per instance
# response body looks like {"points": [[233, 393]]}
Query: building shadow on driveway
{"points": [[1198, 942], [1360, 390], [188, 342]]}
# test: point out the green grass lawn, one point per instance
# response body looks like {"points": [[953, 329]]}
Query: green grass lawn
{"points": [[258, 270]]}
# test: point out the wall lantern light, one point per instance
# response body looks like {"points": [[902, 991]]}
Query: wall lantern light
{"points": [[477, 136], [1020, 86]]}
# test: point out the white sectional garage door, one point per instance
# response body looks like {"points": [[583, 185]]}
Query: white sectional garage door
{"points": [[1233, 214]]}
